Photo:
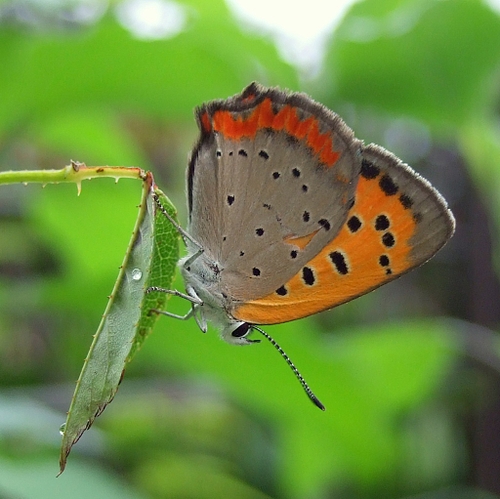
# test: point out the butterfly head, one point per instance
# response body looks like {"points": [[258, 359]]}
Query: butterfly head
{"points": [[237, 333]]}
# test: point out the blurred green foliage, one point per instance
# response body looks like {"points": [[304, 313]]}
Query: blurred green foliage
{"points": [[409, 374]]}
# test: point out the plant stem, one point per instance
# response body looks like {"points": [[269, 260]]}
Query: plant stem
{"points": [[75, 172]]}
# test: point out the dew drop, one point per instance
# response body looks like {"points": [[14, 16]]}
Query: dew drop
{"points": [[62, 429], [137, 274]]}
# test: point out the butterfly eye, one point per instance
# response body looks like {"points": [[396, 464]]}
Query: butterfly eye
{"points": [[241, 330]]}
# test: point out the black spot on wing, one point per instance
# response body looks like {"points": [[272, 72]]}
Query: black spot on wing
{"points": [[382, 223], [325, 224], [369, 170], [388, 240], [354, 224], [384, 262], [308, 276], [339, 261], [387, 185], [406, 201]]}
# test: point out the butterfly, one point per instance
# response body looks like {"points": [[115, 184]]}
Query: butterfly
{"points": [[290, 214]]}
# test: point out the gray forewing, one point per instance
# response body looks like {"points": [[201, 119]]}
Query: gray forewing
{"points": [[253, 197]]}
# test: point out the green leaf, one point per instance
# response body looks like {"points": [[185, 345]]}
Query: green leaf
{"points": [[163, 265], [150, 259]]}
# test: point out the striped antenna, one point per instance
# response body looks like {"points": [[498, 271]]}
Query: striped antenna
{"points": [[302, 381]]}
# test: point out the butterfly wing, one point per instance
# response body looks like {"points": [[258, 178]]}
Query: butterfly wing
{"points": [[398, 222], [270, 183]]}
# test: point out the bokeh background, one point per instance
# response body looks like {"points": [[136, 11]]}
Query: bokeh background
{"points": [[409, 373]]}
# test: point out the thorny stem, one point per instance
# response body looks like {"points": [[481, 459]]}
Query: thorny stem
{"points": [[74, 172]]}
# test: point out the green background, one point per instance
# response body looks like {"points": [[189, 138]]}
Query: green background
{"points": [[409, 374]]}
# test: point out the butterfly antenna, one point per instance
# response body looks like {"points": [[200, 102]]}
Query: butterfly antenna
{"points": [[302, 381]]}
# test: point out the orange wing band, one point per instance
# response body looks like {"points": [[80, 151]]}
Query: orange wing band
{"points": [[371, 249], [235, 127]]}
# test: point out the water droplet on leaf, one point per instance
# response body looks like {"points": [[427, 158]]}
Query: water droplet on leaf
{"points": [[137, 274]]}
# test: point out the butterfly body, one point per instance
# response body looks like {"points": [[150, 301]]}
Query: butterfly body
{"points": [[290, 214], [202, 276]]}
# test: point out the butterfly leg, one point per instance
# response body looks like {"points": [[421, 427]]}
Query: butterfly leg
{"points": [[192, 297], [200, 320], [185, 236], [174, 316]]}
